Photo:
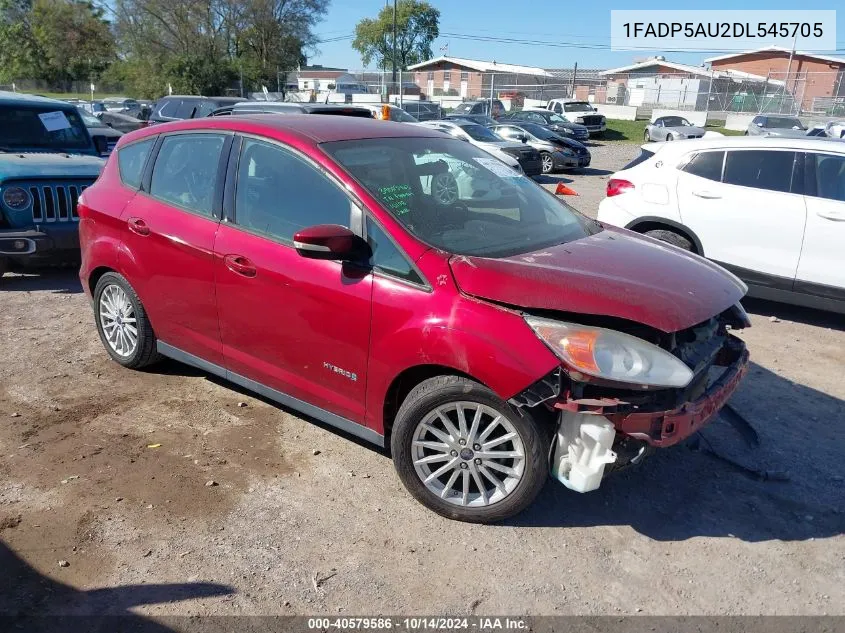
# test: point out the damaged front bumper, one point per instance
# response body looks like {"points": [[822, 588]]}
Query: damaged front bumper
{"points": [[602, 426]]}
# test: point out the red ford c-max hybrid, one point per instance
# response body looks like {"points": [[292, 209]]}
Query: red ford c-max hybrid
{"points": [[410, 289]]}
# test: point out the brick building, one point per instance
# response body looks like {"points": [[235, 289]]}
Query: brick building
{"points": [[814, 80], [470, 78]]}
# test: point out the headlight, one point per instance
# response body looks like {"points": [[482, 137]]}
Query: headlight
{"points": [[16, 198], [611, 355]]}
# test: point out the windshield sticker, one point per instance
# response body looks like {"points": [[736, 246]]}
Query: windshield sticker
{"points": [[54, 121], [396, 197], [498, 167]]}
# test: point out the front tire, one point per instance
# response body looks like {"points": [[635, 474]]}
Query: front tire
{"points": [[464, 453], [646, 137], [669, 137], [548, 162], [122, 323], [670, 237]]}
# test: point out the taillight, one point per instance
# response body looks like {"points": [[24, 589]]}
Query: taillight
{"points": [[616, 186]]}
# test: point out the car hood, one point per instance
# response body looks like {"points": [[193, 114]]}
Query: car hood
{"points": [[49, 165], [613, 273]]}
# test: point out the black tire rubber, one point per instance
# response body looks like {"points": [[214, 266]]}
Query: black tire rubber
{"points": [[146, 352], [646, 137], [440, 390], [669, 137], [670, 237], [4, 266], [543, 163]]}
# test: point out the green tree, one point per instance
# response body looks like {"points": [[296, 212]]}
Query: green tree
{"points": [[417, 26]]}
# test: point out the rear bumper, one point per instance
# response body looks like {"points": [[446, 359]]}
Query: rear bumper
{"points": [[666, 428], [45, 246]]}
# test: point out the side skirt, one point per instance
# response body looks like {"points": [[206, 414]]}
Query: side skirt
{"points": [[353, 428]]}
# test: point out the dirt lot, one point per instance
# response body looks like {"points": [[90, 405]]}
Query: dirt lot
{"points": [[109, 470]]}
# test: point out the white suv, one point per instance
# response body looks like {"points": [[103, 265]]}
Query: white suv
{"points": [[771, 210]]}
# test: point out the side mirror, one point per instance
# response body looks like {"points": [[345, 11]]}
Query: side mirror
{"points": [[522, 137], [330, 241]]}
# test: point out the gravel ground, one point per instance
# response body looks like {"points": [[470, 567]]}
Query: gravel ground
{"points": [[169, 492]]}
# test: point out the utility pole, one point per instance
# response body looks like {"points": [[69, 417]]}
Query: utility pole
{"points": [[789, 69], [394, 44], [574, 75]]}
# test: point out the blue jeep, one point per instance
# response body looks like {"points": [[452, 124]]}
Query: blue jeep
{"points": [[47, 159]]}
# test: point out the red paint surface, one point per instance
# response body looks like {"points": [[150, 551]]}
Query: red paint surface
{"points": [[260, 309]]}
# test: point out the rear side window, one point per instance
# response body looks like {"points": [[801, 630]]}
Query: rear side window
{"points": [[131, 160], [829, 176], [706, 165], [760, 169], [185, 172], [187, 108], [169, 108]]}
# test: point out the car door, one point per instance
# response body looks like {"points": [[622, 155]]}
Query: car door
{"points": [[821, 267], [747, 210], [298, 326], [169, 240]]}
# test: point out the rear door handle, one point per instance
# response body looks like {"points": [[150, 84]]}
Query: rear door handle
{"points": [[836, 216], [138, 226], [707, 195], [240, 265]]}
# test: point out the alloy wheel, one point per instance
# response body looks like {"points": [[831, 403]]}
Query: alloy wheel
{"points": [[118, 320], [548, 164], [468, 454]]}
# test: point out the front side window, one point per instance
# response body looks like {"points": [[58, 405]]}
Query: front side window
{"points": [[458, 198], [387, 257], [760, 169], [131, 160], [706, 165], [829, 176], [185, 171], [42, 128], [187, 109], [278, 193]]}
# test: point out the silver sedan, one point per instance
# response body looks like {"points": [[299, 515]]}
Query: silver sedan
{"points": [[671, 128]]}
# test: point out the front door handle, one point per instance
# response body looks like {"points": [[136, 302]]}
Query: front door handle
{"points": [[138, 226], [836, 216], [707, 195], [240, 265]]}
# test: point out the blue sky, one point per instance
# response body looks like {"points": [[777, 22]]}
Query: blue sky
{"points": [[585, 23]]}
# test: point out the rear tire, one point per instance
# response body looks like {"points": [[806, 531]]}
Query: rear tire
{"points": [[419, 453], [670, 237], [4, 266], [123, 325]]}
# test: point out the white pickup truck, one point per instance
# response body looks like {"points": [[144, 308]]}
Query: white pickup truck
{"points": [[575, 111]]}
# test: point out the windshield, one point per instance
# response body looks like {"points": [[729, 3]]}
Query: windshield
{"points": [[538, 130], [480, 133], [784, 123], [456, 197], [42, 128], [577, 107], [675, 121]]}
